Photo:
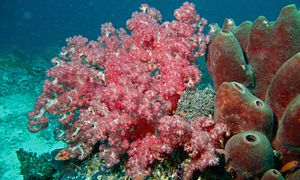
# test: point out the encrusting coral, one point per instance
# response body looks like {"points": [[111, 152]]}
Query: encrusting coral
{"points": [[196, 102]]}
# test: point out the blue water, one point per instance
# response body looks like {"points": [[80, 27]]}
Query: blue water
{"points": [[40, 23]]}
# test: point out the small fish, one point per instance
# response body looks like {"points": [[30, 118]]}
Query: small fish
{"points": [[290, 166], [63, 155], [292, 149]]}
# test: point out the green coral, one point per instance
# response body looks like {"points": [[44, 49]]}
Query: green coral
{"points": [[36, 167], [195, 102]]}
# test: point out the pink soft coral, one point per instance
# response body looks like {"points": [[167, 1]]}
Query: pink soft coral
{"points": [[122, 89], [199, 138]]}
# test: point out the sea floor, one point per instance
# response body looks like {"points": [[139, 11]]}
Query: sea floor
{"points": [[21, 82]]}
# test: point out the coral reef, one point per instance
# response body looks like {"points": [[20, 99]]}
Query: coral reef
{"points": [[288, 133], [253, 52], [250, 154], [36, 167], [196, 102], [255, 68], [131, 98], [120, 93], [287, 76], [242, 111]]}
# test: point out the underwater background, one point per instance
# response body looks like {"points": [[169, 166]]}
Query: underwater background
{"points": [[33, 31]]}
